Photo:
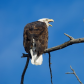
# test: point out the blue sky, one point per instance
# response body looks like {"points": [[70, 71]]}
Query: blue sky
{"points": [[68, 18]]}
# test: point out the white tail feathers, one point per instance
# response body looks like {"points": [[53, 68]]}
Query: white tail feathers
{"points": [[35, 59]]}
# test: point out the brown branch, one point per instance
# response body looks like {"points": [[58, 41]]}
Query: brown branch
{"points": [[25, 55], [74, 74], [70, 42], [71, 38], [50, 67], [27, 62]]}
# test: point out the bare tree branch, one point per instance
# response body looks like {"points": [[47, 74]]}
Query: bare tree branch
{"points": [[25, 55], [70, 42], [74, 74], [27, 62], [50, 67]]}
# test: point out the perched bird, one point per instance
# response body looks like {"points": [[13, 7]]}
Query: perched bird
{"points": [[35, 39]]}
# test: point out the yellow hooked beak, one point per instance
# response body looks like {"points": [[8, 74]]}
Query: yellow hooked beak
{"points": [[50, 20]]}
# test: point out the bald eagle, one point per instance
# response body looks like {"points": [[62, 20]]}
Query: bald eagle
{"points": [[35, 39]]}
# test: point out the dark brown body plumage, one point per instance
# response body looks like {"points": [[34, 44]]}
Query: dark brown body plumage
{"points": [[38, 31]]}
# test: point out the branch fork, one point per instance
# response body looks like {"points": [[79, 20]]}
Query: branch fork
{"points": [[70, 42], [74, 74]]}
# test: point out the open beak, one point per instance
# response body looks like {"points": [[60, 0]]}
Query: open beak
{"points": [[50, 20]]}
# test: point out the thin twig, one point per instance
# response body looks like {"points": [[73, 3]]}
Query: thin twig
{"points": [[71, 38], [25, 55], [22, 77], [50, 67], [74, 74]]}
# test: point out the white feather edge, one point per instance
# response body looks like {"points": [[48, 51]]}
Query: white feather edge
{"points": [[35, 59]]}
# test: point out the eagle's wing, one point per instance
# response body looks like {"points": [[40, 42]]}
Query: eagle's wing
{"points": [[37, 31]]}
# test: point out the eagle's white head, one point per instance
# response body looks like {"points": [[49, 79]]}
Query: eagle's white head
{"points": [[46, 20]]}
